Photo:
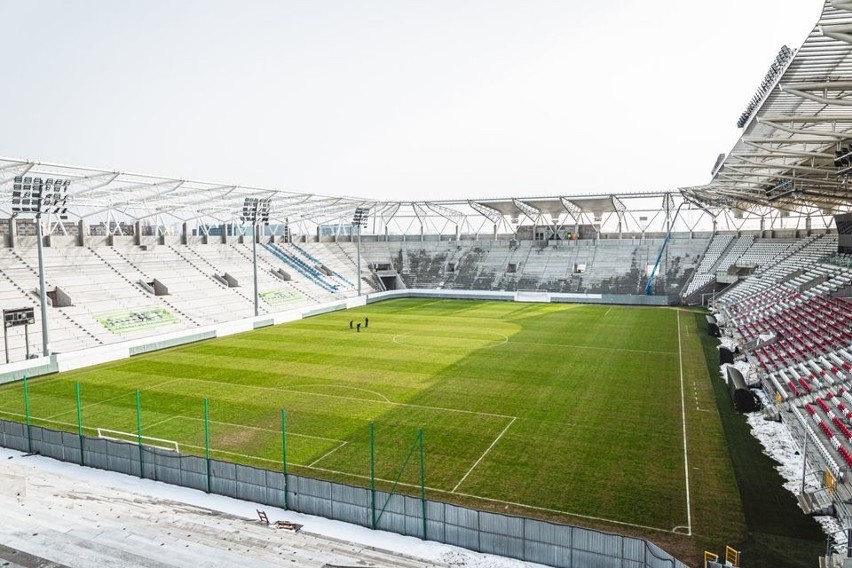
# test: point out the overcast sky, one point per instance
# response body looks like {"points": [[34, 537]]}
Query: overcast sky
{"points": [[391, 99]]}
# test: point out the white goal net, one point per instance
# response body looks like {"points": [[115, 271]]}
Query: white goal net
{"points": [[532, 296], [132, 438]]}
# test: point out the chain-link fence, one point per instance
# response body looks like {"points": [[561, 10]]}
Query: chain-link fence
{"points": [[516, 537]]}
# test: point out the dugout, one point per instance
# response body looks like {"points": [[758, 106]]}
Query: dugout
{"points": [[712, 326], [742, 397], [726, 355]]}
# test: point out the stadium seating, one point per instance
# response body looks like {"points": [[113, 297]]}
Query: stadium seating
{"points": [[705, 273], [111, 299], [797, 332], [618, 266]]}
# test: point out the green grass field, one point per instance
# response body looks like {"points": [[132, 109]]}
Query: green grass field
{"points": [[568, 411]]}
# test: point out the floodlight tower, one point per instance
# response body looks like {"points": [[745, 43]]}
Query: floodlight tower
{"points": [[38, 196], [256, 211], [360, 220]]}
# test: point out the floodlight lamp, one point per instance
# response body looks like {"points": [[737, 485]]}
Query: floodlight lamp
{"points": [[264, 209], [360, 216], [37, 195], [256, 210], [249, 209], [843, 157]]}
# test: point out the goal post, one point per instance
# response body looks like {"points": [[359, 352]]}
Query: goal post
{"points": [[132, 438], [532, 296]]}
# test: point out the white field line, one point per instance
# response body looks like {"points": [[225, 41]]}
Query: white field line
{"points": [[274, 389], [578, 515], [499, 501], [513, 342], [254, 428], [155, 424], [214, 450], [7, 413], [383, 397], [485, 453], [419, 306], [607, 312], [37, 419], [325, 455], [683, 418]]}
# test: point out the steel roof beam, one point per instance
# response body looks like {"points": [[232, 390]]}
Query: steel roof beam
{"points": [[806, 119], [572, 208], [532, 213], [451, 215], [489, 212], [811, 132], [783, 153], [786, 141]]}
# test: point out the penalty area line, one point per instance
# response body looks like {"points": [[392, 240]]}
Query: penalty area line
{"points": [[325, 455], [485, 453]]}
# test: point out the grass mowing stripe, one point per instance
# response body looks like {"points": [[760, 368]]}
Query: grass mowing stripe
{"points": [[270, 430], [592, 347], [281, 389], [110, 399]]}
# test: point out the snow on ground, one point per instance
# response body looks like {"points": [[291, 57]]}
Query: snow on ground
{"points": [[40, 494], [778, 443], [742, 366], [728, 343]]}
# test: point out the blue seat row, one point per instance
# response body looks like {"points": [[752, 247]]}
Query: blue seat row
{"points": [[301, 266], [309, 256]]}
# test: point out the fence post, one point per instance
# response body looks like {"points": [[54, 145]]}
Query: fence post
{"points": [[139, 433], [372, 476], [27, 416], [80, 422], [422, 481], [207, 439], [284, 455]]}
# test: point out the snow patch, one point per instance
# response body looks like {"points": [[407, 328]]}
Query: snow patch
{"points": [[66, 479]]}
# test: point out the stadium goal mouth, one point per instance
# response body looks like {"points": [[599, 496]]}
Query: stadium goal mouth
{"points": [[131, 438], [532, 296]]}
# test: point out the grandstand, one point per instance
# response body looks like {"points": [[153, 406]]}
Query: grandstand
{"points": [[127, 262]]}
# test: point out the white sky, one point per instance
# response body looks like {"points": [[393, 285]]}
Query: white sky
{"points": [[391, 99]]}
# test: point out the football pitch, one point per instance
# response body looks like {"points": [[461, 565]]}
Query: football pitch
{"points": [[570, 410]]}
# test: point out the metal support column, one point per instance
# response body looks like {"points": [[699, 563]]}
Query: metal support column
{"points": [[45, 340]]}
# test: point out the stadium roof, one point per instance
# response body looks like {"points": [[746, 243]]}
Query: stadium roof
{"points": [[111, 197], [796, 126]]}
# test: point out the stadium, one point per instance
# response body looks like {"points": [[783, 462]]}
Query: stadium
{"points": [[646, 379]]}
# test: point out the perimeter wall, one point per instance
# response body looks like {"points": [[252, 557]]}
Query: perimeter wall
{"points": [[531, 540]]}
